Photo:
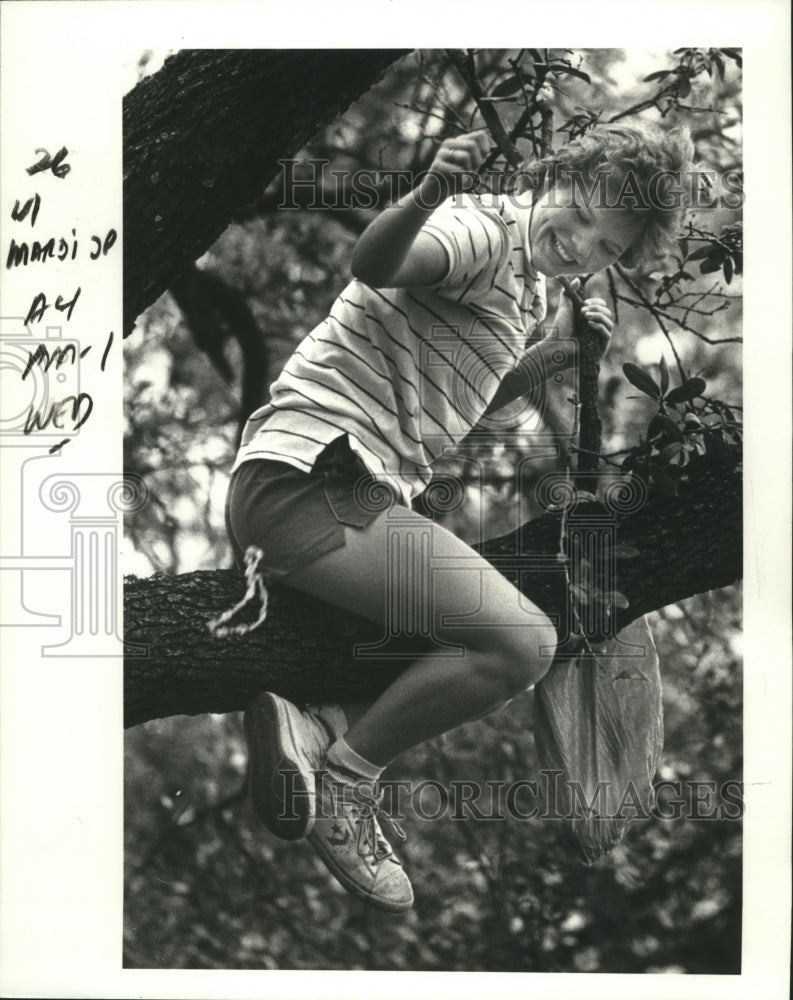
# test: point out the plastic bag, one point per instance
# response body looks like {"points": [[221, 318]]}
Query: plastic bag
{"points": [[599, 736]]}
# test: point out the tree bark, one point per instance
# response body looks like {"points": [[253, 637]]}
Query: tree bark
{"points": [[305, 649], [203, 136]]}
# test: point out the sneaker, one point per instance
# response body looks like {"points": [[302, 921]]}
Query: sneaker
{"points": [[285, 748], [347, 837]]}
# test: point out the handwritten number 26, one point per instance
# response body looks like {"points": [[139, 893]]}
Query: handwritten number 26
{"points": [[53, 163]]}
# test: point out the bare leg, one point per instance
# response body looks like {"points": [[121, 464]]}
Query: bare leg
{"points": [[507, 645], [353, 711]]}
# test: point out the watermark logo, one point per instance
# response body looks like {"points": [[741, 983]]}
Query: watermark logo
{"points": [[41, 395], [549, 796], [68, 523], [314, 185]]}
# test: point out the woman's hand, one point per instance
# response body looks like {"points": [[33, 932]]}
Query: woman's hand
{"points": [[595, 311], [462, 154], [392, 251], [600, 321]]}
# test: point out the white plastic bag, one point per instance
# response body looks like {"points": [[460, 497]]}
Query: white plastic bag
{"points": [[599, 736]]}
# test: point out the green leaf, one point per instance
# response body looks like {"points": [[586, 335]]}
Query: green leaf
{"points": [[672, 450], [690, 389], [641, 379], [658, 75], [574, 72], [710, 266], [728, 269], [509, 86], [664, 375], [663, 426], [618, 600]]}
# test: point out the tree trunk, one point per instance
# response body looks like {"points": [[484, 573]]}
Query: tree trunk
{"points": [[203, 136], [305, 649]]}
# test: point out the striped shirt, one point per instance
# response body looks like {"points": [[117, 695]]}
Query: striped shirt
{"points": [[407, 372]]}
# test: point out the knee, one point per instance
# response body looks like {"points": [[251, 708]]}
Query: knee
{"points": [[517, 658]]}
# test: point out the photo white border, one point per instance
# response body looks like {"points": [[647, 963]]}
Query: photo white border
{"points": [[60, 730]]}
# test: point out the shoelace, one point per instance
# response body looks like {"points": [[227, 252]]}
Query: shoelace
{"points": [[365, 812], [370, 842]]}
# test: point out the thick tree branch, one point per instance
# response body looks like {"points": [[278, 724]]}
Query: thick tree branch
{"points": [[306, 649], [204, 135]]}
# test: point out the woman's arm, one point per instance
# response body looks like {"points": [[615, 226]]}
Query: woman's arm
{"points": [[392, 251], [545, 358], [537, 365], [594, 310]]}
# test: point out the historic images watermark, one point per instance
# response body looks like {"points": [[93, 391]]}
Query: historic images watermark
{"points": [[537, 798], [313, 185], [44, 407]]}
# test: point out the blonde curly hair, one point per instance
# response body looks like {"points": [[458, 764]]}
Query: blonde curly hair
{"points": [[658, 162]]}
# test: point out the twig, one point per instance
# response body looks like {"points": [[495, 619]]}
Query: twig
{"points": [[607, 459], [546, 132], [613, 294], [662, 314], [631, 284], [464, 63]]}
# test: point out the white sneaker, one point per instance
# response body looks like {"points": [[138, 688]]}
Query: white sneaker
{"points": [[285, 748], [348, 838]]}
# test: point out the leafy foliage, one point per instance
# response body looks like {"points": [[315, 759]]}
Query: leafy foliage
{"points": [[204, 886], [681, 431]]}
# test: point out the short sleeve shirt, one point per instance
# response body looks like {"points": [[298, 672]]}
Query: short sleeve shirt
{"points": [[407, 372]]}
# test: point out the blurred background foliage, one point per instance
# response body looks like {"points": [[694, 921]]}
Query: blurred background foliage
{"points": [[205, 886]]}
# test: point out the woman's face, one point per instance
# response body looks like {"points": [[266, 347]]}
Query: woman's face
{"points": [[567, 237]]}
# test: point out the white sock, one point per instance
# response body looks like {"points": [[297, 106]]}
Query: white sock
{"points": [[341, 755]]}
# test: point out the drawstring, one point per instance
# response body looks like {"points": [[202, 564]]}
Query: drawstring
{"points": [[256, 588]]}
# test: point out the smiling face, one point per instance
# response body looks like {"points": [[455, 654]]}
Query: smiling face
{"points": [[567, 237]]}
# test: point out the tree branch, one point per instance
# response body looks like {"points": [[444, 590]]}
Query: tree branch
{"points": [[590, 425], [204, 135], [305, 649]]}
